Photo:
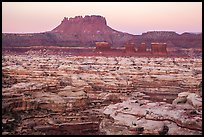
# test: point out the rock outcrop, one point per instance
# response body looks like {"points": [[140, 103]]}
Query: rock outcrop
{"points": [[143, 117], [103, 47], [189, 98], [173, 39], [159, 48], [73, 32], [87, 25], [85, 31], [142, 48], [200, 86], [130, 48]]}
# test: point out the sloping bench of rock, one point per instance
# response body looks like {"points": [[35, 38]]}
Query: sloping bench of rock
{"points": [[50, 101], [75, 97], [151, 118]]}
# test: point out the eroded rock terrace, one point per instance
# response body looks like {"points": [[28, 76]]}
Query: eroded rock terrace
{"points": [[67, 95]]}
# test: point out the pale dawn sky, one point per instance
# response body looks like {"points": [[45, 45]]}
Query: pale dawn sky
{"points": [[130, 17]]}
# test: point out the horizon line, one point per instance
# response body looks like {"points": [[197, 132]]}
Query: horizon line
{"points": [[117, 30]]}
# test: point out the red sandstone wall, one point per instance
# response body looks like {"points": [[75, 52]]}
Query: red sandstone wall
{"points": [[102, 46], [130, 48], [142, 48], [159, 48]]}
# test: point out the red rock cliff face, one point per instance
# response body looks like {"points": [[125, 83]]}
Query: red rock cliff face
{"points": [[78, 24], [130, 48], [142, 48], [85, 31], [102, 46], [159, 48], [72, 32], [89, 29]]}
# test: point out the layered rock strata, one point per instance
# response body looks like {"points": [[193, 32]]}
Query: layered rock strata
{"points": [[85, 31], [130, 48], [142, 48], [54, 94], [143, 117], [159, 48], [102, 47]]}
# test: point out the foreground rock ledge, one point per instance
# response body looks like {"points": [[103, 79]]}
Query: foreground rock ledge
{"points": [[133, 117]]}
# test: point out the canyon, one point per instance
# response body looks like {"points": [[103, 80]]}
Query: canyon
{"points": [[85, 78], [46, 94]]}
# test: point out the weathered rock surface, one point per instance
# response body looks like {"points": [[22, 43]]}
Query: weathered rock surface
{"points": [[142, 48], [191, 98], [102, 47], [159, 48], [144, 117], [54, 94], [130, 48]]}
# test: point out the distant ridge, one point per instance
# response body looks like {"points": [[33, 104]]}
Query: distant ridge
{"points": [[85, 31]]}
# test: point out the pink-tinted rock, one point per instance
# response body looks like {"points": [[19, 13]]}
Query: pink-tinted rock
{"points": [[159, 48], [189, 98], [155, 118], [142, 48], [130, 48], [102, 46]]}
